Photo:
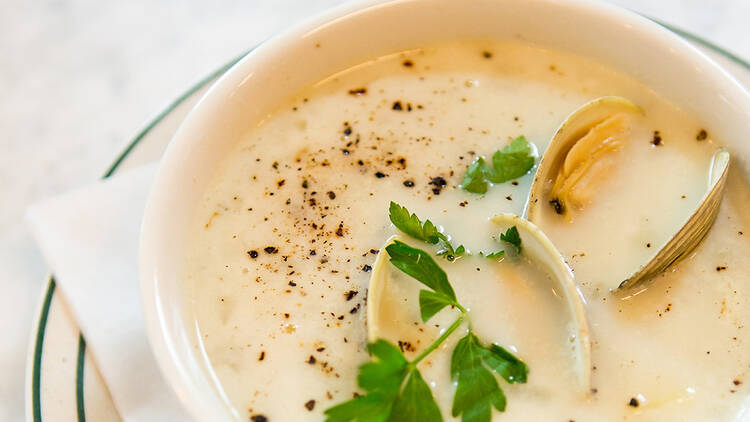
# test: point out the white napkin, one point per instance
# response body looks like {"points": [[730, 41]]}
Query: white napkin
{"points": [[90, 240]]}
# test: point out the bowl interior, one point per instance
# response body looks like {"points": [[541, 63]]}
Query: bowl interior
{"points": [[349, 35]]}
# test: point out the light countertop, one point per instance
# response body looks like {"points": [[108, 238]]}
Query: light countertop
{"points": [[79, 78]]}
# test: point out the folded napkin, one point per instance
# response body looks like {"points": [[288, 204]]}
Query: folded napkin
{"points": [[89, 237]]}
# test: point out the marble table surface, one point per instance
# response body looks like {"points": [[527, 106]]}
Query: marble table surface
{"points": [[79, 78]]}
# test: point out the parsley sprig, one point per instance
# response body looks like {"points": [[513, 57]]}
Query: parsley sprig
{"points": [[425, 231], [510, 236], [395, 388], [511, 162]]}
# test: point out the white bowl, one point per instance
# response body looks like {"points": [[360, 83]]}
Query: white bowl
{"points": [[348, 35]]}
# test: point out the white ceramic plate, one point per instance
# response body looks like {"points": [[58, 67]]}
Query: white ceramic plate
{"points": [[63, 382]]}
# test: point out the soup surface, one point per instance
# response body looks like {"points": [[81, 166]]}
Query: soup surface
{"points": [[285, 240]]}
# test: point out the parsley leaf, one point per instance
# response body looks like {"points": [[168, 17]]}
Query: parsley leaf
{"points": [[386, 400], [418, 264], [498, 254], [477, 391], [374, 407], [426, 232], [415, 403], [511, 236], [446, 249], [512, 369], [412, 225], [431, 303], [510, 162], [385, 375], [474, 179]]}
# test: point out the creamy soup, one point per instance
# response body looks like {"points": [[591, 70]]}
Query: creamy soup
{"points": [[285, 241]]}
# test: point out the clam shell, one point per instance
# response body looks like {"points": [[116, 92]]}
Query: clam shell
{"points": [[575, 126], [693, 230], [539, 249], [380, 276]]}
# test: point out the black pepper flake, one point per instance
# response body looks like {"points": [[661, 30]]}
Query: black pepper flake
{"points": [[310, 405], [648, 245], [347, 131], [280, 183], [358, 91], [311, 360], [633, 402], [304, 184], [702, 135], [721, 268], [262, 355], [253, 254], [293, 284], [736, 382], [320, 349], [350, 294], [271, 249], [258, 418], [355, 309], [409, 183], [557, 205], [657, 138], [275, 165], [407, 63], [438, 184], [487, 54], [312, 252], [366, 268], [379, 174], [509, 198], [397, 106], [340, 231], [360, 162], [514, 183], [331, 194]]}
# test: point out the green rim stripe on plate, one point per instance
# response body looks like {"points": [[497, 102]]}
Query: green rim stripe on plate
{"points": [[81, 358], [174, 104], [80, 408], [38, 346], [36, 384]]}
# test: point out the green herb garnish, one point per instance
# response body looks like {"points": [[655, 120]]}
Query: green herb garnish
{"points": [[388, 397], [511, 162], [511, 236], [474, 179], [410, 224], [395, 388], [498, 254], [418, 264]]}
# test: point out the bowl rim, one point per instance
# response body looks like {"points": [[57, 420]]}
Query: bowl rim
{"points": [[160, 338]]}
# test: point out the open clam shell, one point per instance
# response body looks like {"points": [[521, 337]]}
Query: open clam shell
{"points": [[570, 147], [695, 228], [585, 136], [379, 277], [539, 249]]}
